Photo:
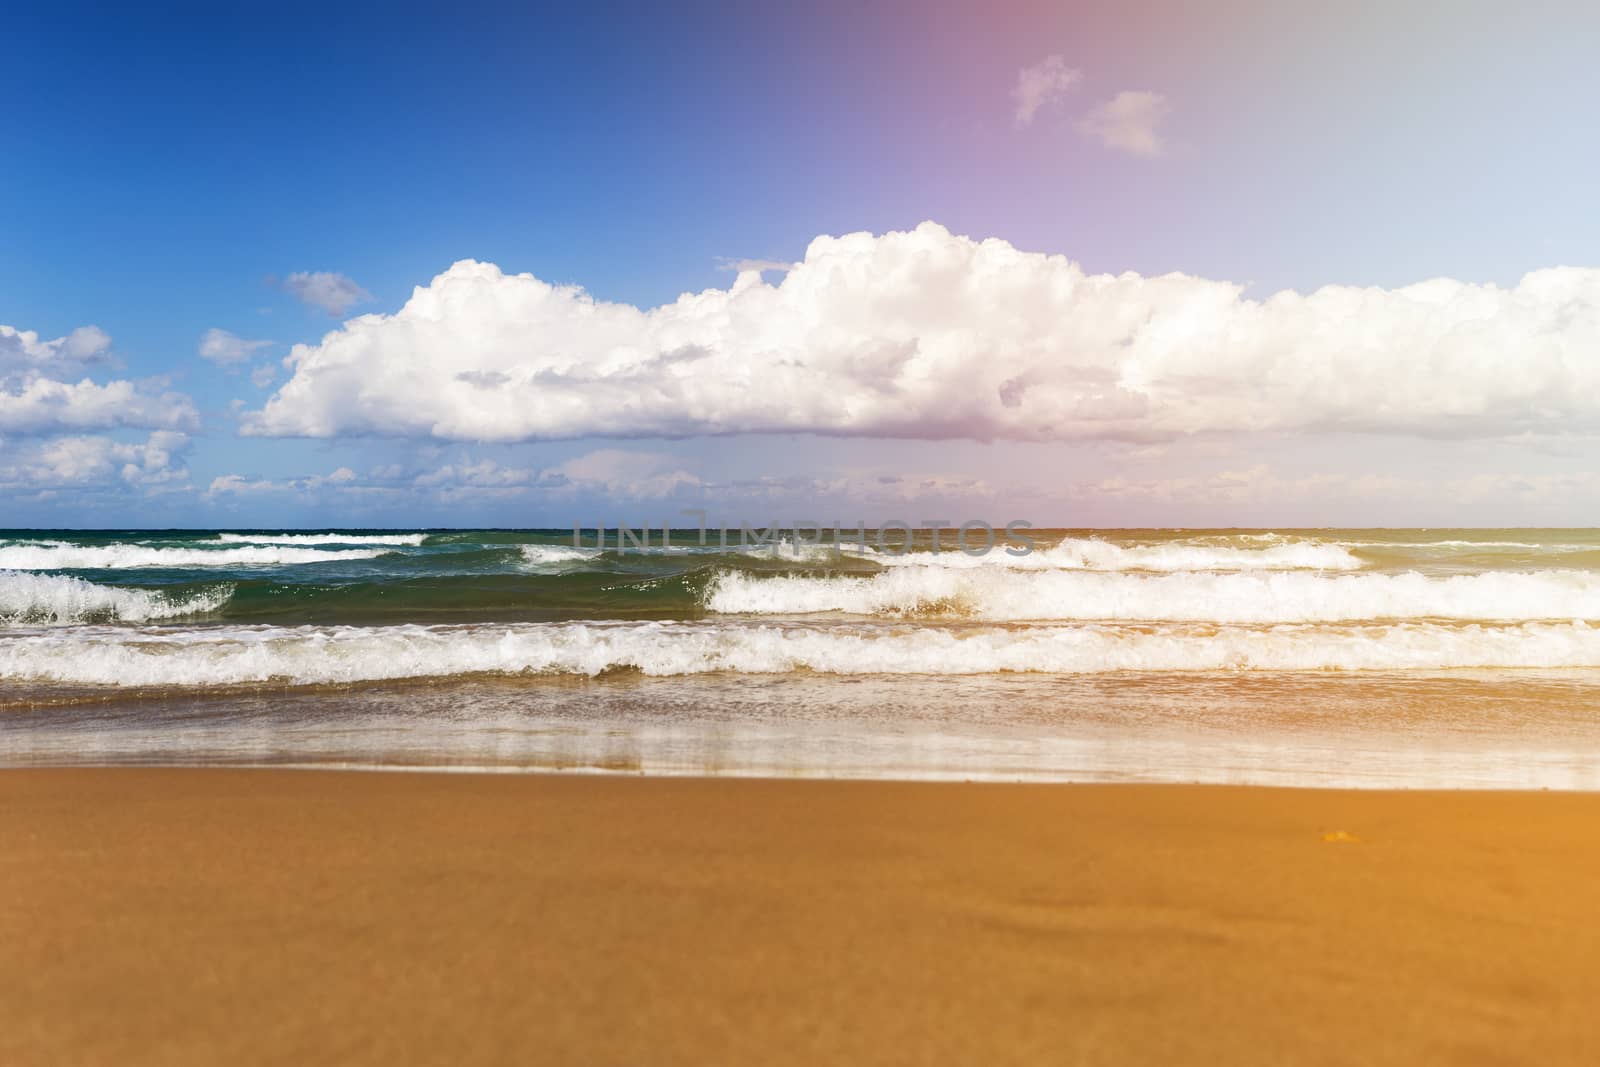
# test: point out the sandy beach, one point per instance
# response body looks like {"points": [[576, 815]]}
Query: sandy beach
{"points": [[206, 916]]}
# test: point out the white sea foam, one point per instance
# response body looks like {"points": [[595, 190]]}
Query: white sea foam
{"points": [[1545, 546], [321, 539], [555, 557], [223, 656], [58, 600], [1290, 596], [63, 556], [1077, 553], [805, 551]]}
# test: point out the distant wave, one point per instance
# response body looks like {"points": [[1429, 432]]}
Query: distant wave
{"points": [[801, 551], [1076, 553], [58, 600], [306, 655], [321, 539], [1071, 554], [555, 557], [63, 556], [1293, 596]]}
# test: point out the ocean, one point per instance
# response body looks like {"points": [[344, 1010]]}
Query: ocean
{"points": [[1382, 658]]}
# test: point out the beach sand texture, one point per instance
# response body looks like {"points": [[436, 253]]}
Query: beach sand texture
{"points": [[237, 916]]}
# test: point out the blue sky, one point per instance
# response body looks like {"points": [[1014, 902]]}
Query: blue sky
{"points": [[169, 168]]}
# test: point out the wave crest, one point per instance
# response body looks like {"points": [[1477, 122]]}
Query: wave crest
{"points": [[1090, 554], [321, 539], [60, 555], [229, 656], [555, 557], [57, 600], [1002, 595]]}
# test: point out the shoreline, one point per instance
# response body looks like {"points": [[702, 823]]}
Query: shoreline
{"points": [[1390, 731], [198, 915], [628, 773]]}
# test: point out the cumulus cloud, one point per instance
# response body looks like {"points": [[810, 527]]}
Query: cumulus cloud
{"points": [[1129, 122], [612, 477], [332, 292], [479, 474], [929, 335], [88, 461], [625, 473], [760, 266], [35, 400], [618, 473], [22, 351], [1042, 84], [43, 406], [1261, 495], [226, 349], [239, 485], [394, 481]]}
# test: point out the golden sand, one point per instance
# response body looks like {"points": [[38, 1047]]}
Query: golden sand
{"points": [[220, 916]]}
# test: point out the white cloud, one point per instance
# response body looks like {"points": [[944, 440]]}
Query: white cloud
{"points": [[236, 485], [483, 474], [1129, 122], [618, 473], [929, 335], [608, 477], [264, 375], [239, 485], [624, 473], [1260, 495], [22, 351], [332, 292], [226, 349], [44, 406], [1042, 84], [89, 462], [35, 400], [760, 266]]}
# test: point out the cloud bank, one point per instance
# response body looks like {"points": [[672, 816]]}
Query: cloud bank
{"points": [[38, 397], [924, 334], [620, 473], [89, 462]]}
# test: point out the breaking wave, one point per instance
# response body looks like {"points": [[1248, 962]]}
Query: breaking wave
{"points": [[999, 594], [321, 539], [61, 555], [230, 656], [56, 600], [558, 557], [1096, 555]]}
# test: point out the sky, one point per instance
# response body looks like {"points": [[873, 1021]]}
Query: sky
{"points": [[1235, 264]]}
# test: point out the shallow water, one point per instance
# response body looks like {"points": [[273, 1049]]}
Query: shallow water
{"points": [[1365, 658]]}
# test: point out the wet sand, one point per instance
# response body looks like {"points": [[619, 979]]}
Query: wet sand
{"points": [[210, 916]]}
